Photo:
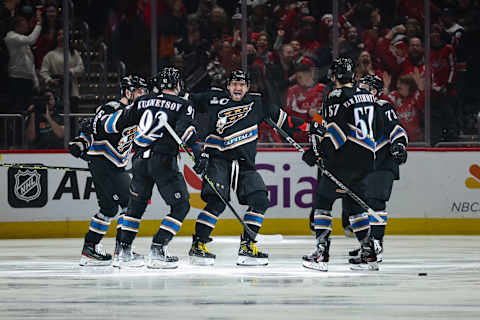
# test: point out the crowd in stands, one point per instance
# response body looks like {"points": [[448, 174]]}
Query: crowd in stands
{"points": [[289, 44]]}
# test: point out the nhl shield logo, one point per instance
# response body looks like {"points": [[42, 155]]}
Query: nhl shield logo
{"points": [[27, 185], [227, 117], [27, 188]]}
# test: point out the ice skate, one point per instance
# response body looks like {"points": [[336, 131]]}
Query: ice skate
{"points": [[159, 258], [355, 252], [357, 258], [93, 254], [199, 254], [126, 257], [249, 255], [367, 260], [318, 259], [116, 260]]}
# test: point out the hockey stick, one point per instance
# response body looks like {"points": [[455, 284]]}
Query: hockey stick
{"points": [[329, 175], [40, 167], [209, 181]]}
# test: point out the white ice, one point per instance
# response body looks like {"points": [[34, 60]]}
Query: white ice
{"points": [[41, 279]]}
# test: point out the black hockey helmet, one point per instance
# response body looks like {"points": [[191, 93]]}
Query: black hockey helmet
{"points": [[238, 75], [169, 78], [126, 83], [342, 69], [373, 82], [139, 83]]}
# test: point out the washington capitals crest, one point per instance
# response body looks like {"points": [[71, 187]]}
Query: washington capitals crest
{"points": [[228, 117]]}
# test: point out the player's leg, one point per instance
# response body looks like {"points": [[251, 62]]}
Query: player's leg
{"points": [[378, 193], [140, 192], [173, 189], [102, 172], [359, 220], [253, 193], [219, 172], [347, 229], [325, 195]]}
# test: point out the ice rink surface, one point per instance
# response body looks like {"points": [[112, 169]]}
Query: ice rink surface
{"points": [[41, 279]]}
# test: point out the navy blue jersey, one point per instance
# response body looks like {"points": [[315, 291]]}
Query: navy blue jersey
{"points": [[352, 128], [232, 126], [113, 144], [393, 132], [149, 112]]}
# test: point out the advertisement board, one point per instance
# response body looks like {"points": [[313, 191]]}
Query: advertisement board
{"points": [[438, 193]]}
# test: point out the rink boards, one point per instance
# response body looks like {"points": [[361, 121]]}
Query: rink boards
{"points": [[439, 193]]}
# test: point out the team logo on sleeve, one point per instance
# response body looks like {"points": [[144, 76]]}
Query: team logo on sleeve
{"points": [[128, 135], [27, 188], [227, 117]]}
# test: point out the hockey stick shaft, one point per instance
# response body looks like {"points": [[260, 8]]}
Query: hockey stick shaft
{"points": [[329, 175], [40, 167], [209, 181]]}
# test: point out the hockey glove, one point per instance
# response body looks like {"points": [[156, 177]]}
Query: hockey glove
{"points": [[201, 163], [399, 153], [86, 126], [310, 158], [317, 129], [77, 147]]}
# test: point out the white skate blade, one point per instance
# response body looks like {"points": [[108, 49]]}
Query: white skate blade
{"points": [[379, 257], [320, 266], [200, 261], [370, 266], [89, 262], [249, 261], [159, 264]]}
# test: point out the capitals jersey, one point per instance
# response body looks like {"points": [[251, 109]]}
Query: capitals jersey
{"points": [[232, 126], [150, 112], [352, 127], [393, 132], [113, 143]]}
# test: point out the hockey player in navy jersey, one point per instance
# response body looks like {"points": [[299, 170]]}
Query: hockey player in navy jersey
{"points": [[155, 164], [390, 152], [107, 152], [232, 131], [347, 150]]}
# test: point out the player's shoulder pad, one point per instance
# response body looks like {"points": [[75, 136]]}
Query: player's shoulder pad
{"points": [[335, 93], [383, 103], [108, 107]]}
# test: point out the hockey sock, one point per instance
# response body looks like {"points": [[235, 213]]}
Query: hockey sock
{"points": [[378, 227], [322, 224], [254, 221], [130, 226], [206, 222], [168, 229], [120, 224], [98, 228], [360, 226]]}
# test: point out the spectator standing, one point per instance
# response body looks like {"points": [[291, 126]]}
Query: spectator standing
{"points": [[7, 12], [21, 67], [52, 69], [281, 75], [48, 36]]}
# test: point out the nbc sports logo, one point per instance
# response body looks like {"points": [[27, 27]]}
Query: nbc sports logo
{"points": [[474, 181]]}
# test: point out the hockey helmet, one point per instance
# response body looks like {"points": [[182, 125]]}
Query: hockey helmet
{"points": [[238, 75], [169, 78], [373, 82], [126, 83], [139, 83], [342, 69]]}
